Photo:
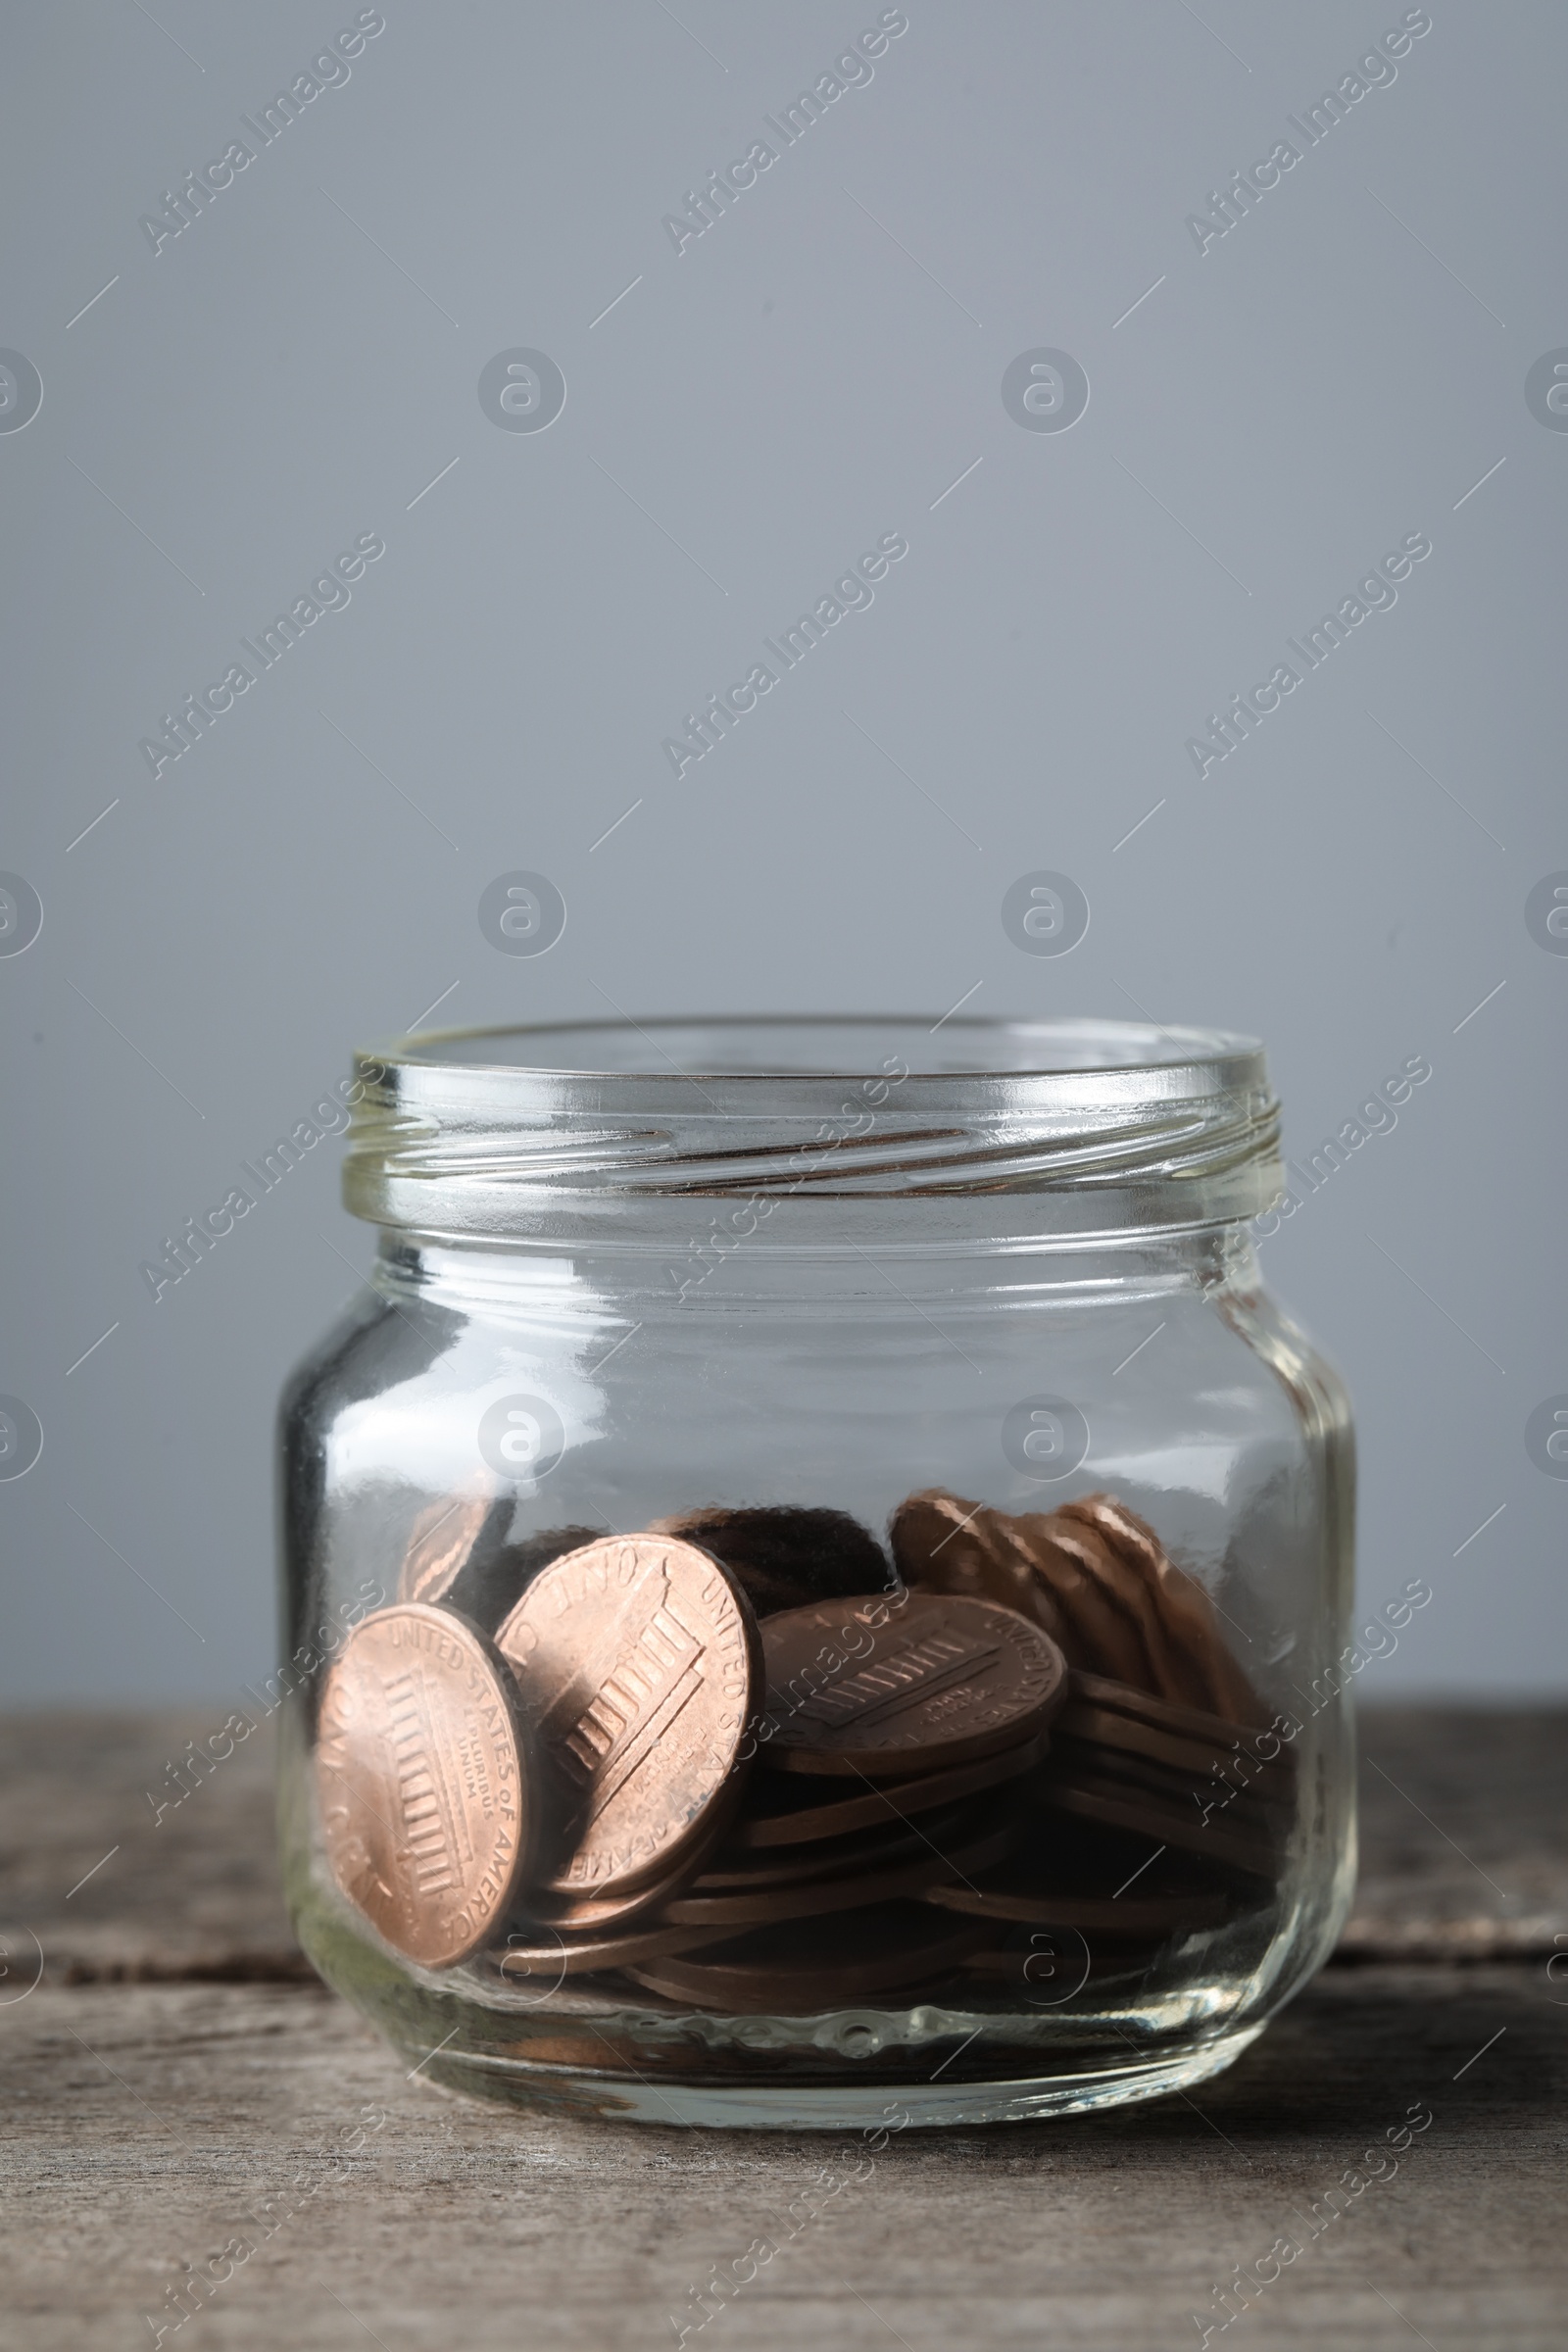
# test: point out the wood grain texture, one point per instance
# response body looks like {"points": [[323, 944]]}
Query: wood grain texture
{"points": [[193, 1894], [1464, 1834], [149, 2126]]}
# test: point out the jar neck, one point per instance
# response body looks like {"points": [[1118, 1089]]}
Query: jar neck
{"points": [[713, 1271]]}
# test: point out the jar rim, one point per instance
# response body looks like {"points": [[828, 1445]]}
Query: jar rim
{"points": [[1105, 1125], [1082, 1045]]}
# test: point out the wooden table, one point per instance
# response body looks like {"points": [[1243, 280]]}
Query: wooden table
{"points": [[174, 2066]]}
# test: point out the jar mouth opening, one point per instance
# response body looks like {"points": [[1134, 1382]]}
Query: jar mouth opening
{"points": [[775, 1047], [508, 1134]]}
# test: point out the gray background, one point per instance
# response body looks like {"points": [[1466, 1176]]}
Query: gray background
{"points": [[1277, 413]]}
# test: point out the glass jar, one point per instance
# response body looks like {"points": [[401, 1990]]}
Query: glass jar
{"points": [[814, 1573]]}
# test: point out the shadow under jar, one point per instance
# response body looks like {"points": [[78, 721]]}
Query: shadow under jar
{"points": [[814, 1572]]}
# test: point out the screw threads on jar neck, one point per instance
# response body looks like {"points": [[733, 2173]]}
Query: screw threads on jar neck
{"points": [[1077, 1126]]}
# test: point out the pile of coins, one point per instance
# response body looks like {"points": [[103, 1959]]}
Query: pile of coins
{"points": [[742, 1762], [1099, 1581]]}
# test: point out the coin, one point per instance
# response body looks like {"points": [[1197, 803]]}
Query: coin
{"points": [[441, 1540], [1094, 1859], [1108, 1726], [785, 1812], [1183, 1602], [1162, 1595], [1095, 1576], [1064, 1873], [945, 1545], [593, 1914], [815, 1897], [1167, 1669], [920, 1683], [1205, 1800], [429, 1808], [784, 1558], [1223, 1733], [807, 1966], [635, 1660], [1073, 1564]]}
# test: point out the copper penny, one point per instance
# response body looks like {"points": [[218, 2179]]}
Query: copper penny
{"points": [[636, 1658], [1202, 1759], [945, 1545], [796, 1816], [901, 1688], [1121, 1581], [1167, 1606], [1224, 1734], [593, 1914], [1069, 1561], [1062, 1876], [428, 1809], [1183, 1603], [441, 1540], [1094, 1575], [807, 1966]]}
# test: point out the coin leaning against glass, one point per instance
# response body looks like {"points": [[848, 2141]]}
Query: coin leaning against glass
{"points": [[429, 1808], [635, 1660], [893, 1688], [439, 1542]]}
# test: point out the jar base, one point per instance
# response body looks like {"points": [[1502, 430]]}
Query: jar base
{"points": [[877, 2107]]}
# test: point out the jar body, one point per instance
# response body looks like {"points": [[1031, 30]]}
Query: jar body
{"points": [[580, 1393]]}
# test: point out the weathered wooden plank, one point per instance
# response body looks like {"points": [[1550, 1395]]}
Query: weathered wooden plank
{"points": [[144, 2125], [1464, 1833], [1464, 1848], [192, 1891]]}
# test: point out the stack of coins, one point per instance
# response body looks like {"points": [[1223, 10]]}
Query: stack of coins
{"points": [[732, 1763], [1095, 1577], [1193, 1780], [887, 1755], [1148, 1820], [895, 1734]]}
